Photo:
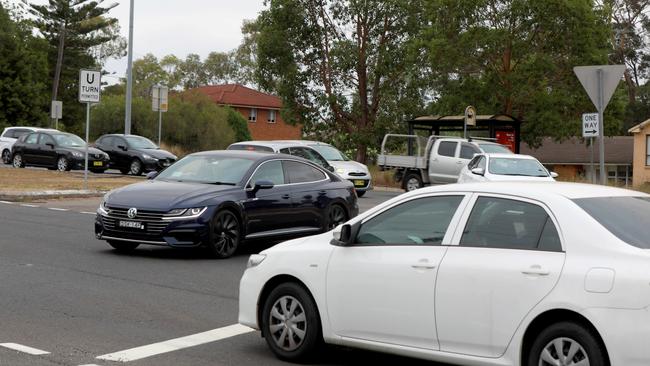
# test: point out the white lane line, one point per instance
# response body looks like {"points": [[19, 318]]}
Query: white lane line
{"points": [[24, 349], [88, 213], [176, 344], [27, 205], [57, 209], [7, 202], [89, 364]]}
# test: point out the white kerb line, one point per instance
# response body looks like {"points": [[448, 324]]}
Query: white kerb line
{"points": [[177, 343], [24, 349]]}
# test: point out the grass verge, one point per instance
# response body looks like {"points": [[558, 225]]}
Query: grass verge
{"points": [[25, 180]]}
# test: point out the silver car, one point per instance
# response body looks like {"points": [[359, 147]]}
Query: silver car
{"points": [[289, 148]]}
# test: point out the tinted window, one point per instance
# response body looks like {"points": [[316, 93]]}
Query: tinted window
{"points": [[139, 142], [249, 148], [105, 141], [473, 163], [270, 171], [16, 132], [118, 141], [302, 173], [626, 217], [31, 139], [422, 221], [46, 139], [285, 151], [467, 151], [481, 162], [447, 148], [309, 154], [503, 223]]}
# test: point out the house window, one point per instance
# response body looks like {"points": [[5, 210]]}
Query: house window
{"points": [[271, 118], [647, 150], [252, 116]]}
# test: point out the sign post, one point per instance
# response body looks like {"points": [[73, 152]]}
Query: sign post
{"points": [[600, 82], [89, 92], [470, 119], [56, 112], [159, 103], [591, 129]]}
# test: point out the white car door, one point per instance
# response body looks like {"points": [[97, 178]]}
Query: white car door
{"points": [[382, 288], [444, 164], [508, 258]]}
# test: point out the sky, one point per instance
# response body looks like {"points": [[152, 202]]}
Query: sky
{"points": [[179, 27]]}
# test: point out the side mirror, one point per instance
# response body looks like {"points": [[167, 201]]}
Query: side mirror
{"points": [[50, 145], [554, 175], [345, 235], [152, 175], [331, 168], [122, 147], [262, 184], [478, 171]]}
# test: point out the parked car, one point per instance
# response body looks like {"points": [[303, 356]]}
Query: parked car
{"points": [[355, 172], [57, 151], [438, 160], [289, 148], [219, 199], [9, 137], [508, 273], [134, 154], [500, 167]]}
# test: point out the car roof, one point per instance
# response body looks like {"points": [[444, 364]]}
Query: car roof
{"points": [[303, 142], [270, 144], [33, 129], [535, 190]]}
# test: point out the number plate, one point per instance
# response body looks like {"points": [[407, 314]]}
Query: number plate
{"points": [[131, 225], [359, 183], [98, 163]]}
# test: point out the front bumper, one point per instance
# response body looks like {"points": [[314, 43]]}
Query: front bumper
{"points": [[93, 163], [250, 288], [180, 233], [150, 165], [360, 182]]}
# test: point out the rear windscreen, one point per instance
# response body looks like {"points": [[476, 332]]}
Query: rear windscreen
{"points": [[250, 148], [626, 217]]}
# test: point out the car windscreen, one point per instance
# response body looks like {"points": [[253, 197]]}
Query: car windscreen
{"points": [[207, 169], [626, 217], [250, 148], [518, 167], [137, 142], [330, 153], [68, 140], [494, 149]]}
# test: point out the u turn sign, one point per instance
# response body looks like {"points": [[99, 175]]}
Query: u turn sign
{"points": [[89, 86]]}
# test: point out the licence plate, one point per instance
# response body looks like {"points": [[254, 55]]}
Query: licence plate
{"points": [[131, 225], [359, 183], [98, 163]]}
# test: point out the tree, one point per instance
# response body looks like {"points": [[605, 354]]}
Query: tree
{"points": [[23, 69], [239, 125], [147, 72], [336, 60]]}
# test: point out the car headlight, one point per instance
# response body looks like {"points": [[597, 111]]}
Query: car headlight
{"points": [[255, 259], [77, 154], [147, 157], [185, 213], [340, 171], [103, 207]]}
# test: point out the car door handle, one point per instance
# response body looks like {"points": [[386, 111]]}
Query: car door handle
{"points": [[308, 197], [423, 264], [286, 196], [536, 270], [459, 162]]}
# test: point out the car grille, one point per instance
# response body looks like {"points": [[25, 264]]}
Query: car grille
{"points": [[357, 174], [153, 221]]}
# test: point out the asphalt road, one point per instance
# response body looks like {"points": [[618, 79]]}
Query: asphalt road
{"points": [[66, 293]]}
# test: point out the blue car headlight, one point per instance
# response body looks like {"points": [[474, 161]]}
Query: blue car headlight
{"points": [[184, 213]]}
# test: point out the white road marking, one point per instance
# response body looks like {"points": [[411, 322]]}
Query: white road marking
{"points": [[57, 209], [176, 344], [27, 205], [87, 213], [24, 349], [7, 202], [89, 364]]}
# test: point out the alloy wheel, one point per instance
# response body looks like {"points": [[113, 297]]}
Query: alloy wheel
{"points": [[563, 352], [18, 161], [136, 167], [412, 184], [288, 323], [337, 216], [225, 234], [62, 164]]}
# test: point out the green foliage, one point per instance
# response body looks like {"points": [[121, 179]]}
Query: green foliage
{"points": [[23, 70], [239, 125], [193, 121]]}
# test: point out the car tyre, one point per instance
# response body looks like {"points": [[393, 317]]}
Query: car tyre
{"points": [[6, 156], [124, 171], [336, 215], [290, 323], [123, 246], [136, 167], [360, 193], [18, 161], [412, 181], [566, 343], [63, 164], [225, 234], [98, 171]]}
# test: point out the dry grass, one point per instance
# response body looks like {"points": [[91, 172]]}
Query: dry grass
{"points": [[25, 180], [383, 178], [174, 149]]}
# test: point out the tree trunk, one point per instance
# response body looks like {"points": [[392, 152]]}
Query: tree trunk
{"points": [[631, 86], [59, 65], [362, 153]]}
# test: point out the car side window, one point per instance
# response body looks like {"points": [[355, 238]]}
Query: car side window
{"points": [[481, 162], [473, 163], [32, 138], [11, 133], [46, 139], [510, 224], [118, 142], [467, 151], [285, 151], [302, 173], [270, 171], [447, 148], [309, 154], [422, 221], [106, 141]]}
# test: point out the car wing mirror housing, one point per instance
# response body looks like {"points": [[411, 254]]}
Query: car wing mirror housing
{"points": [[152, 175], [345, 235], [478, 171], [50, 145], [331, 168], [262, 184], [122, 147], [554, 175]]}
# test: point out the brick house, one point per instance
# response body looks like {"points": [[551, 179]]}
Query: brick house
{"points": [[260, 109], [641, 133]]}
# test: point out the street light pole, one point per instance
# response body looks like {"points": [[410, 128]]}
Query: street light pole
{"points": [[129, 75]]}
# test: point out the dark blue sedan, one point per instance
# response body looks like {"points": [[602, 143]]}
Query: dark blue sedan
{"points": [[220, 199]]}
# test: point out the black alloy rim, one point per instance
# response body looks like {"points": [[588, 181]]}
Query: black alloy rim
{"points": [[337, 216], [225, 233]]}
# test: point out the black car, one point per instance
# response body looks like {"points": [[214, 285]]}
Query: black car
{"points": [[57, 150], [134, 154], [219, 199]]}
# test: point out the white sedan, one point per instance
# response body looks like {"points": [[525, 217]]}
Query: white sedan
{"points": [[501, 167], [502, 273]]}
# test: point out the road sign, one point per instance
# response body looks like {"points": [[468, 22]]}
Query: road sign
{"points": [[57, 109], [89, 86], [159, 98], [590, 125], [470, 116]]}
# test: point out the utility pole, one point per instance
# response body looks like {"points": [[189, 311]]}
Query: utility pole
{"points": [[59, 65], [129, 75]]}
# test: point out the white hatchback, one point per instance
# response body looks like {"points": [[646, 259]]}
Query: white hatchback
{"points": [[504, 167], [502, 273]]}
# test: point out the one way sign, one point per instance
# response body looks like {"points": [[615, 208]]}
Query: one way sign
{"points": [[590, 125]]}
